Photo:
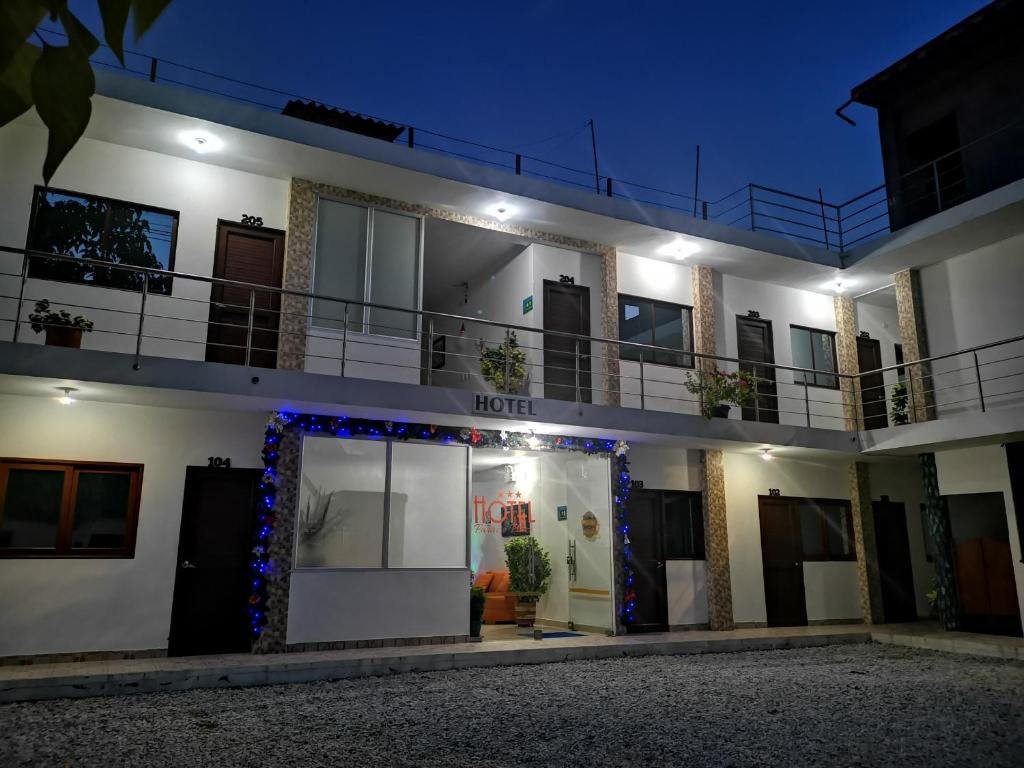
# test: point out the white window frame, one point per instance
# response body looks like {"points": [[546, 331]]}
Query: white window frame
{"points": [[364, 323]]}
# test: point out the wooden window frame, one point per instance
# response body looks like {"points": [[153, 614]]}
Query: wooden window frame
{"points": [[66, 521], [112, 201], [835, 357], [687, 354]]}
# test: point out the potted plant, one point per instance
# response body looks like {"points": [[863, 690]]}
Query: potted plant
{"points": [[718, 390], [899, 412], [529, 568], [477, 600], [493, 362], [62, 330]]}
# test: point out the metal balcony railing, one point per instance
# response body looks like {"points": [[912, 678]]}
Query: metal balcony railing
{"points": [[206, 318]]}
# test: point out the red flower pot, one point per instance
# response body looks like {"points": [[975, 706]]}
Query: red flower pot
{"points": [[64, 336]]}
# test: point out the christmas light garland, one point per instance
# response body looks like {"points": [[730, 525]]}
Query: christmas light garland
{"points": [[341, 426]]}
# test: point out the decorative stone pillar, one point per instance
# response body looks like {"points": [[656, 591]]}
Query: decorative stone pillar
{"points": [[716, 541], [869, 581], [915, 345], [936, 516], [846, 351], [298, 274], [610, 323], [273, 639], [704, 315]]}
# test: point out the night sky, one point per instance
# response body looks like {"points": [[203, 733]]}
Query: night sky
{"points": [[755, 83]]}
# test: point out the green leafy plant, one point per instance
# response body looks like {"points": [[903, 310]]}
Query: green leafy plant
{"points": [[43, 317], [900, 402], [477, 600], [59, 80], [529, 567], [493, 365], [717, 388]]}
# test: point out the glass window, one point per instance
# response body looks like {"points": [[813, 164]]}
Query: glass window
{"points": [[657, 323], [340, 521], [50, 508], [811, 542], [826, 529], [684, 526], [427, 518], [814, 349], [339, 267], [98, 228], [394, 278]]}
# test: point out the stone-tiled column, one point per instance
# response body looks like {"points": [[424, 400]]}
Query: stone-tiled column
{"points": [[716, 541], [936, 515], [610, 323], [704, 314], [298, 274], [869, 580], [915, 344], [846, 351], [286, 502]]}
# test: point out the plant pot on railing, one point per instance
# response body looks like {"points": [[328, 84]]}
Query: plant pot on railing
{"points": [[719, 391], [62, 330], [721, 411]]}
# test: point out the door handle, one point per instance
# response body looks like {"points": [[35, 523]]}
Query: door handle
{"points": [[187, 564], [659, 564]]}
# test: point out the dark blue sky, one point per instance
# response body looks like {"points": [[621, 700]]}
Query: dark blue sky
{"points": [[754, 82]]}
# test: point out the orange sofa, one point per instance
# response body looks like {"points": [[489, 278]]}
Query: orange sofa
{"points": [[499, 605]]}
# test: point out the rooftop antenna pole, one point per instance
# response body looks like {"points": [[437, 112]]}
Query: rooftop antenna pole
{"points": [[593, 145], [696, 182]]}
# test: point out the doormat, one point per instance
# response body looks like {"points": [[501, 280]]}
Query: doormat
{"points": [[548, 635]]}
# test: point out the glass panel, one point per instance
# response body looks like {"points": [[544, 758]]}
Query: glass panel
{"points": [[394, 278], [339, 269], [824, 359], [668, 332], [635, 326], [90, 227], [31, 512], [838, 525], [810, 530], [684, 527], [101, 509], [341, 504], [428, 506], [803, 356]]}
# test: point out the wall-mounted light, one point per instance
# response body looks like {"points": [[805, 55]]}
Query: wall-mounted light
{"points": [[766, 454], [678, 249], [201, 142], [66, 398], [501, 211]]}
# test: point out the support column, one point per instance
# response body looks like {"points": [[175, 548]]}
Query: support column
{"points": [[610, 323], [936, 517], [704, 314], [921, 406], [846, 351], [869, 581], [273, 639], [716, 541], [298, 274]]}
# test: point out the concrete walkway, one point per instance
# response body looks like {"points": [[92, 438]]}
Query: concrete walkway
{"points": [[108, 678]]}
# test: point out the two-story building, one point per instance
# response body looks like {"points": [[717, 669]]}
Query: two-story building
{"points": [[332, 371]]}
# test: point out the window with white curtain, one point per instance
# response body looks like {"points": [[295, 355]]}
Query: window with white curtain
{"points": [[366, 254]]}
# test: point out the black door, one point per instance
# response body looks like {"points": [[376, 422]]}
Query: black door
{"points": [[872, 388], [211, 587], [645, 537], [247, 255], [566, 360], [783, 566], [754, 342], [894, 568]]}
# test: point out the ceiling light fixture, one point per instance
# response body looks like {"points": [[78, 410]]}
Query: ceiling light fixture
{"points": [[766, 454], [502, 211], [839, 286], [678, 249], [66, 398], [201, 142]]}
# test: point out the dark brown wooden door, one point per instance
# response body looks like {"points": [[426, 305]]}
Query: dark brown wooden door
{"points": [[894, 567], [754, 343], [872, 388], [566, 360], [211, 587], [646, 539], [254, 256], [782, 561]]}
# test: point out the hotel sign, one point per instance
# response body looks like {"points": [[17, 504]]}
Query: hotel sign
{"points": [[503, 405]]}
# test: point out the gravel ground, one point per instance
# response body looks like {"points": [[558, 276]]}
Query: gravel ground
{"points": [[842, 705]]}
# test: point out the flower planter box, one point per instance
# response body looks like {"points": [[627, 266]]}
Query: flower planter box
{"points": [[526, 608], [57, 336], [721, 411]]}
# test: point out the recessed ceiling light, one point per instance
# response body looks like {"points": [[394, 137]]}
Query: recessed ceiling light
{"points": [[766, 454], [678, 249], [502, 211], [201, 142], [66, 398]]}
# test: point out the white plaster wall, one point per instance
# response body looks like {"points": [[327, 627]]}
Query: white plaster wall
{"points": [[983, 470], [746, 477], [326, 605], [783, 307], [970, 300], [200, 192], [68, 605]]}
